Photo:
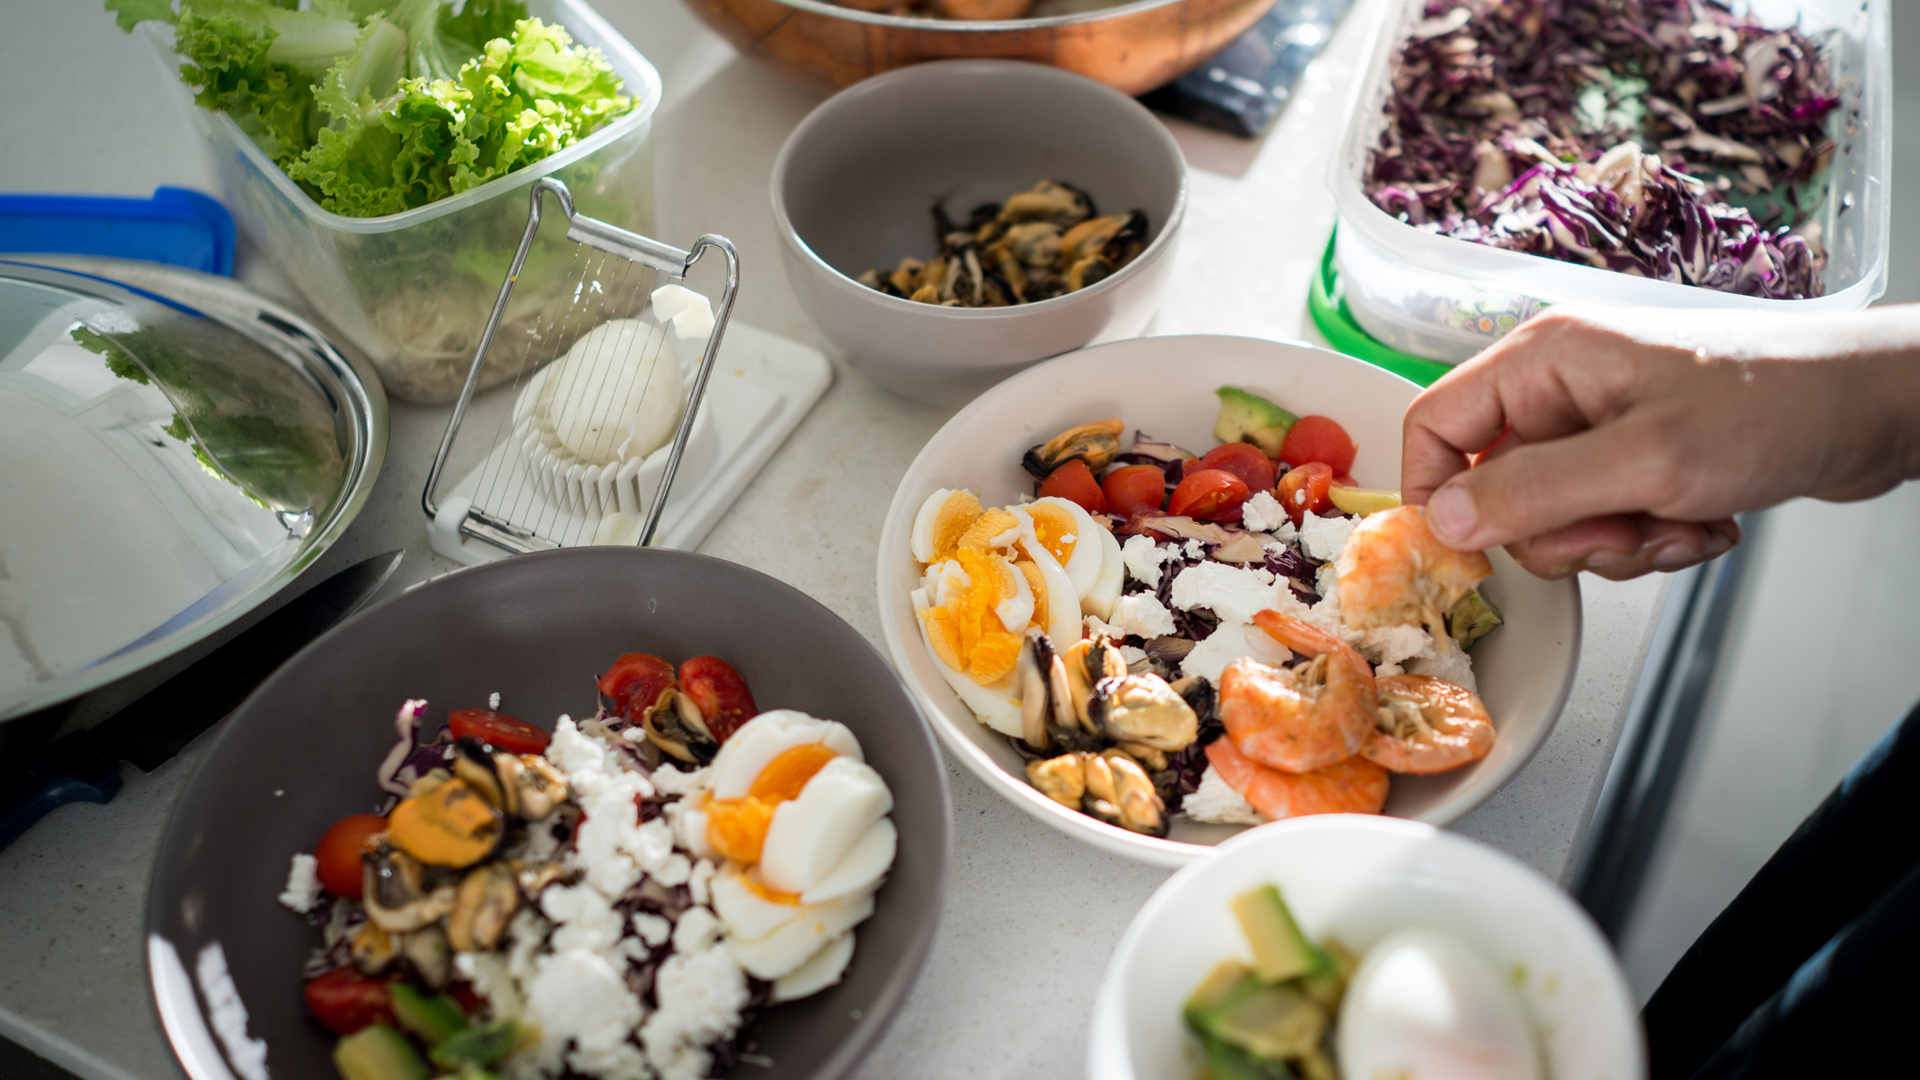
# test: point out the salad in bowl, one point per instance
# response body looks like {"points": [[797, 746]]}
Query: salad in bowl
{"points": [[1173, 615]]}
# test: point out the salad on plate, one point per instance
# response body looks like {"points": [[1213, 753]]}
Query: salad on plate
{"points": [[615, 900], [1234, 637]]}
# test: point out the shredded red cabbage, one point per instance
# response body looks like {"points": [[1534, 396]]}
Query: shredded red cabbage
{"points": [[1533, 125]]}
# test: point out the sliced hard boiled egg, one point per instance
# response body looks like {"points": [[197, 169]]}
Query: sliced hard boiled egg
{"points": [[967, 631], [1068, 531], [812, 832], [996, 704], [1063, 600], [941, 521], [792, 944], [1016, 611], [1105, 593], [1424, 1006], [862, 869], [752, 748], [749, 912], [818, 973]]}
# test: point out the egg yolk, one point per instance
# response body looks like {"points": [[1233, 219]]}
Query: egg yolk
{"points": [[966, 631], [1055, 530], [737, 828], [767, 892]]}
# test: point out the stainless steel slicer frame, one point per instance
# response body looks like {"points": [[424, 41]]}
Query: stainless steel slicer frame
{"points": [[633, 247]]}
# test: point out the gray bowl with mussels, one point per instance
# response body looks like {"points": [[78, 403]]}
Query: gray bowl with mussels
{"points": [[1001, 212]]}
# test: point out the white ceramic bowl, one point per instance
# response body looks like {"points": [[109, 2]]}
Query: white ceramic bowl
{"points": [[1357, 879], [854, 188], [1165, 386]]}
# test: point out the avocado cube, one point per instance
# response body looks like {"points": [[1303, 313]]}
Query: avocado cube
{"points": [[435, 1018], [1473, 618], [480, 1046], [1280, 950], [1225, 1061], [1253, 419], [377, 1052], [1273, 1023]]}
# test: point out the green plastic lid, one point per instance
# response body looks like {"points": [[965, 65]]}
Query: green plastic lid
{"points": [[1327, 302]]}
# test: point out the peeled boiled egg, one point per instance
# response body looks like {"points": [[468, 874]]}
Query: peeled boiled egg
{"points": [[940, 522], [818, 973], [812, 832], [1423, 1006], [1069, 534], [861, 868], [615, 396], [748, 751], [1105, 593], [770, 938], [687, 316], [997, 704]]}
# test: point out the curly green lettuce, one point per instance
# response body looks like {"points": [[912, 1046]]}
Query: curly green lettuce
{"points": [[375, 109]]}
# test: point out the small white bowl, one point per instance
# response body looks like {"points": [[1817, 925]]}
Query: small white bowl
{"points": [[1165, 386], [854, 188], [1358, 879]]}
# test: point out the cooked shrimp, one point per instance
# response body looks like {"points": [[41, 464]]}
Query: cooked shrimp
{"points": [[1303, 720], [1353, 786], [1428, 725], [1394, 572]]}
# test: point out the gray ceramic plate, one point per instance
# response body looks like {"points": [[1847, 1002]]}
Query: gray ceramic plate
{"points": [[538, 629]]}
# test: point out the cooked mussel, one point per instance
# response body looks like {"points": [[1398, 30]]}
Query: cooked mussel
{"points": [[1111, 786], [487, 898], [1143, 709], [1097, 444], [372, 949], [395, 893], [1036, 706], [533, 783], [1048, 200], [452, 824], [681, 732], [1062, 779]]}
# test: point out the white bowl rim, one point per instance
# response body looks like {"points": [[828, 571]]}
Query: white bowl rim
{"points": [[1112, 838], [884, 81], [1105, 1061]]}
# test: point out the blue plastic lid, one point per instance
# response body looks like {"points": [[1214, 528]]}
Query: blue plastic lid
{"points": [[176, 226]]}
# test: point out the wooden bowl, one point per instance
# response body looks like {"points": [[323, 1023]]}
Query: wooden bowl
{"points": [[1132, 47]]}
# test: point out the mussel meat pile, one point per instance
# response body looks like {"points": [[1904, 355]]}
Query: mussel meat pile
{"points": [[1041, 243]]}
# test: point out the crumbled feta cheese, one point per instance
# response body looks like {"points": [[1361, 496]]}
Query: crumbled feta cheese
{"points": [[492, 980], [572, 752], [493, 700], [577, 996], [526, 937], [1263, 513], [1284, 533], [653, 929], [1143, 615], [1132, 655], [1451, 665], [674, 871], [1216, 802], [1230, 642], [585, 920], [1323, 538], [1196, 550], [1068, 538], [701, 995], [1098, 627], [697, 929], [1234, 593], [1143, 559], [699, 884], [668, 780], [303, 884], [1394, 644]]}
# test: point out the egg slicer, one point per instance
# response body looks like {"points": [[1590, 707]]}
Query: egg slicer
{"points": [[553, 477]]}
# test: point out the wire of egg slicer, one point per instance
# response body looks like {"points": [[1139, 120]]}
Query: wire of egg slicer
{"points": [[514, 507]]}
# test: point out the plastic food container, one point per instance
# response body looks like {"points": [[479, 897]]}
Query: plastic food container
{"points": [[412, 291], [1435, 296]]}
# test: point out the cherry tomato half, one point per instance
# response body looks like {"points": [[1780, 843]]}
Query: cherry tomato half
{"points": [[1213, 494], [723, 697], [1243, 460], [345, 1001], [1075, 483], [1303, 491], [635, 683], [1319, 438], [498, 730], [1135, 489], [338, 853]]}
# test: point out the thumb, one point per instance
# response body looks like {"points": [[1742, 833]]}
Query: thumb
{"points": [[1539, 487]]}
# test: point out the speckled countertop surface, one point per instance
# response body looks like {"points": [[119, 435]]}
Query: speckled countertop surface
{"points": [[1031, 916]]}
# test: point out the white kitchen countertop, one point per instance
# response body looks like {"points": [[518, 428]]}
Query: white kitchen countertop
{"points": [[1031, 916]]}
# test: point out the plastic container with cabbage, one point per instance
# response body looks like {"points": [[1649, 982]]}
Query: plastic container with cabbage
{"points": [[376, 154], [1660, 152]]}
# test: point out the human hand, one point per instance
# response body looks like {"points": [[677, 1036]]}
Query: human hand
{"points": [[1624, 440]]}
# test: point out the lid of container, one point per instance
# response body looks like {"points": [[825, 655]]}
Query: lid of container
{"points": [[172, 451], [1327, 303], [176, 226]]}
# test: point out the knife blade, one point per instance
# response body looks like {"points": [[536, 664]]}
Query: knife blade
{"points": [[83, 765]]}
